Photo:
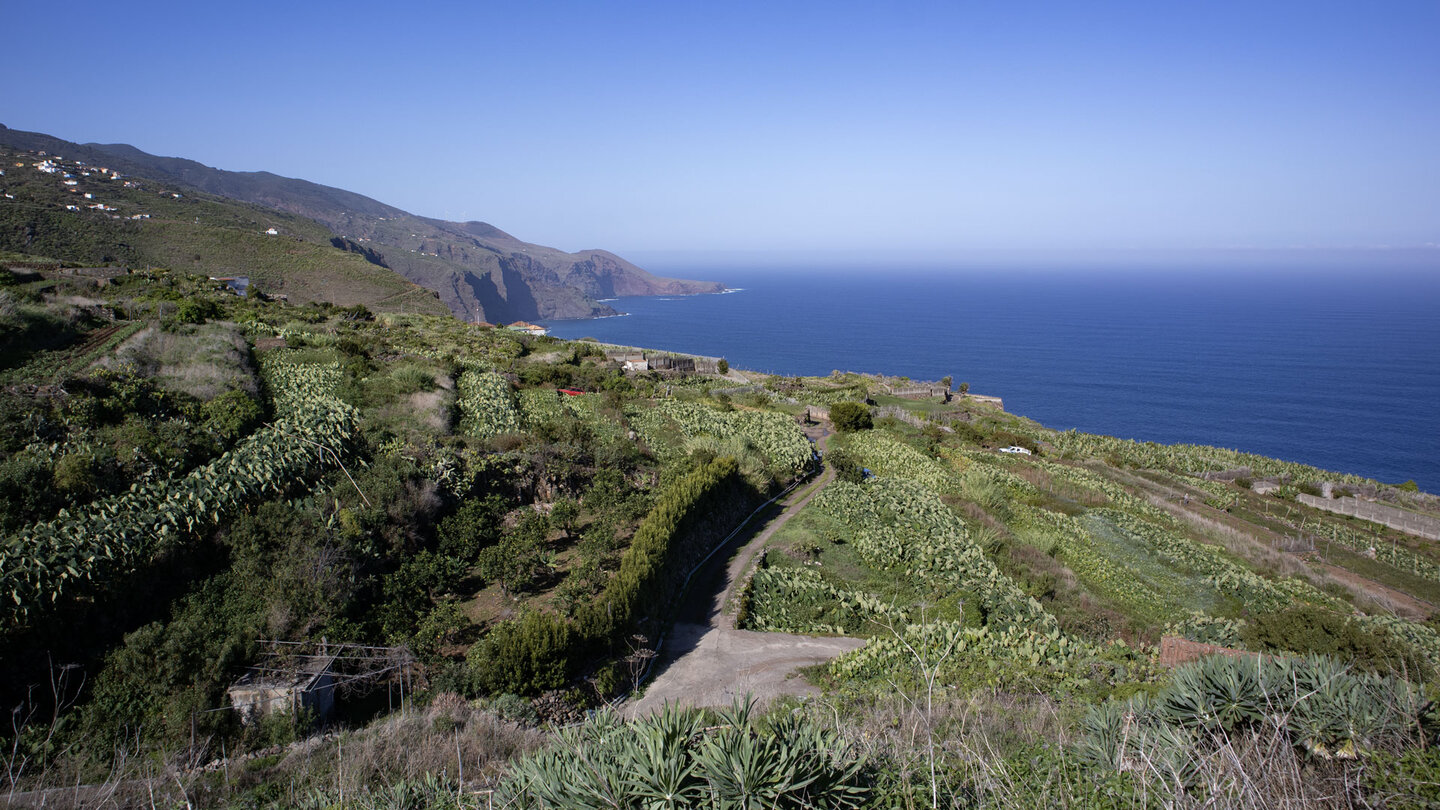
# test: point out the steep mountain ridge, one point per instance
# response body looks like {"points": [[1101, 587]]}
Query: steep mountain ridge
{"points": [[480, 272]]}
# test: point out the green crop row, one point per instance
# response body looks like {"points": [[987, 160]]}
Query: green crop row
{"points": [[653, 566], [1260, 595], [1077, 548], [1389, 553], [901, 525], [799, 600], [950, 644], [1187, 459], [775, 435], [487, 405], [42, 563], [889, 458]]}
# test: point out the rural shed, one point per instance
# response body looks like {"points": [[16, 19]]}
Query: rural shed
{"points": [[285, 686]]}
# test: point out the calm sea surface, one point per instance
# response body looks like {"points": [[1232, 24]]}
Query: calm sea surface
{"points": [[1342, 372]]}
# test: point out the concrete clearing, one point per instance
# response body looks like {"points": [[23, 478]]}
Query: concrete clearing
{"points": [[712, 664]]}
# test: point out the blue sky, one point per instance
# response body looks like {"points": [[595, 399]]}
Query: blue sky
{"points": [[673, 129]]}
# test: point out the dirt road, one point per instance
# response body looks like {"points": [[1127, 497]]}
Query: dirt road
{"points": [[706, 661]]}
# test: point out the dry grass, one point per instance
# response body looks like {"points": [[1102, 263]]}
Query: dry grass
{"points": [[1009, 752], [204, 361], [450, 740]]}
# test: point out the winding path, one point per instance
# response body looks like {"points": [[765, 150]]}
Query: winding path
{"points": [[708, 662]]}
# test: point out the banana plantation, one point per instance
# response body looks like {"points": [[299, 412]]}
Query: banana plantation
{"points": [[1100, 623]]}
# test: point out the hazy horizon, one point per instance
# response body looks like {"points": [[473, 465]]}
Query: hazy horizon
{"points": [[1285, 262]]}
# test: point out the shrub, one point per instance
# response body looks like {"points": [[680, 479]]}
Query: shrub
{"points": [[846, 466], [849, 417], [1313, 630], [411, 378], [523, 656], [231, 415], [195, 310]]}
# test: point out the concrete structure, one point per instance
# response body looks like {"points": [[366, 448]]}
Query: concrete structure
{"points": [[1264, 487], [1404, 520], [309, 685], [984, 400]]}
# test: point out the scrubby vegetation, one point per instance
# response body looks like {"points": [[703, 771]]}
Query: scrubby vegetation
{"points": [[191, 479]]}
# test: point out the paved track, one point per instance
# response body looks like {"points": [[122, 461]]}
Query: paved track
{"points": [[707, 662]]}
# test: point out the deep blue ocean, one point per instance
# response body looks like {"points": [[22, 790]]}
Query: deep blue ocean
{"points": [[1341, 371]]}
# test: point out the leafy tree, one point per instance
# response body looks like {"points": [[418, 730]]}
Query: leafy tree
{"points": [[964, 388], [515, 559], [849, 417], [472, 528], [564, 515], [723, 366], [413, 587]]}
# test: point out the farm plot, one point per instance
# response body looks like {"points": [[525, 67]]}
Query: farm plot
{"points": [[899, 525], [46, 561], [487, 405], [774, 435]]}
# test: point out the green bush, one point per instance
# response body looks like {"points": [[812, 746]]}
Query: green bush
{"points": [[524, 656], [846, 466], [411, 378], [231, 415], [195, 310], [849, 417], [1314, 630]]}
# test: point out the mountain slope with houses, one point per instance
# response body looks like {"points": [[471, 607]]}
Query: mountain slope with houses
{"points": [[480, 272]]}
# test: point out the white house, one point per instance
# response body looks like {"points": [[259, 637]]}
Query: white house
{"points": [[1015, 449], [528, 328], [272, 232]]}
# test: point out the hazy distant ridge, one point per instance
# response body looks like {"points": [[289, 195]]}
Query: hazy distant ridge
{"points": [[479, 271]]}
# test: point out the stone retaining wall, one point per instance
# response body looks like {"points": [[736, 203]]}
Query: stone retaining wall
{"points": [[1399, 519]]}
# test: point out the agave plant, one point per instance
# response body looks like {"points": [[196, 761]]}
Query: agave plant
{"points": [[672, 760]]}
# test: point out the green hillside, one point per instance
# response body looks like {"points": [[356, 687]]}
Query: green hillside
{"points": [[479, 272], [491, 532], [186, 231]]}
